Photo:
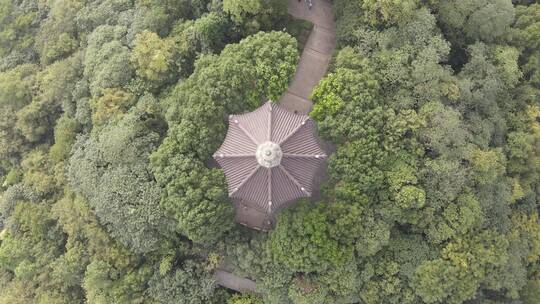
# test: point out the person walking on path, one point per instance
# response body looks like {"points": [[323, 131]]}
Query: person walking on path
{"points": [[309, 3]]}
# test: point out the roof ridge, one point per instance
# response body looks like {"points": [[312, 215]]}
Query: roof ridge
{"points": [[270, 113], [243, 182], [249, 135], [294, 180], [303, 123]]}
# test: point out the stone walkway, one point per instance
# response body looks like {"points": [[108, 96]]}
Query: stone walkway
{"points": [[229, 280], [311, 69], [316, 56]]}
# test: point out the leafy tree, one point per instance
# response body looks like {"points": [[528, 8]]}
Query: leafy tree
{"points": [[487, 166], [64, 137], [251, 255], [110, 106], [58, 83], [482, 89], [531, 293], [101, 285], [186, 284], [399, 133], [15, 93], [93, 264], [159, 16], [407, 60], [37, 172], [341, 100], [36, 120], [107, 61], [16, 86], [386, 276], [206, 34], [402, 182], [272, 69], [244, 299], [451, 141], [57, 36], [359, 167], [304, 290], [464, 265], [302, 241], [153, 57], [31, 241], [18, 24], [14, 194], [348, 17], [523, 153], [103, 12], [231, 75], [111, 171], [505, 59], [342, 282], [458, 218], [483, 20], [388, 11], [195, 198], [524, 35], [255, 15]]}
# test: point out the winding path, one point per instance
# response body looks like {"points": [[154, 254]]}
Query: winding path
{"points": [[312, 67], [316, 56]]}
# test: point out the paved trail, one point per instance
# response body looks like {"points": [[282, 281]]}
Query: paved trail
{"points": [[311, 69], [316, 55], [229, 280]]}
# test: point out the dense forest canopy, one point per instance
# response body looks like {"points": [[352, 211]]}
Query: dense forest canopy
{"points": [[110, 111]]}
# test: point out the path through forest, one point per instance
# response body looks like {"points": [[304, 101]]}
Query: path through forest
{"points": [[316, 56], [311, 69]]}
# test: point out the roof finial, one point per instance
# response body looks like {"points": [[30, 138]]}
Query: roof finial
{"points": [[268, 154]]}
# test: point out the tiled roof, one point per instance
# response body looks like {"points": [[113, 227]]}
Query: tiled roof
{"points": [[270, 157]]}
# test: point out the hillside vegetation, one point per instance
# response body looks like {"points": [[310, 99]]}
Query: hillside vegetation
{"points": [[110, 111]]}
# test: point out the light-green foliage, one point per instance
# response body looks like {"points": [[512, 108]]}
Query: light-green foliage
{"points": [[345, 105], [93, 263], [110, 106], [15, 93], [386, 276], [244, 299], [302, 240], [255, 15], [304, 291], [464, 264], [457, 218], [188, 284], [52, 94], [153, 57], [16, 86], [18, 26], [388, 12], [64, 137]]}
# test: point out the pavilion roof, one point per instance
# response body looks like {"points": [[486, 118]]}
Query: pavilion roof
{"points": [[270, 157]]}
